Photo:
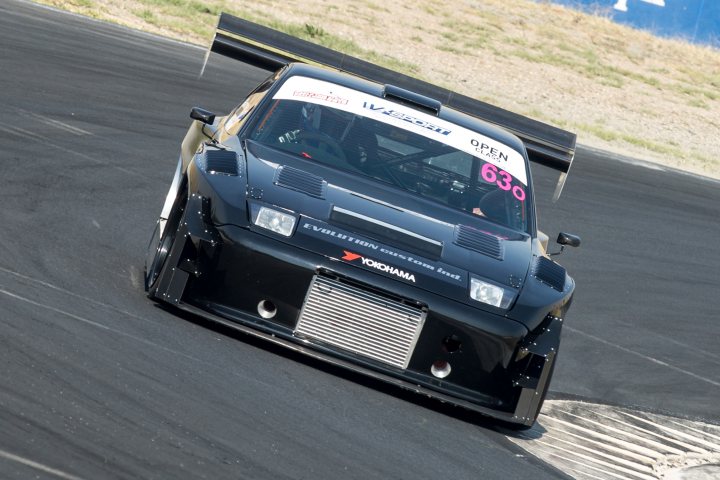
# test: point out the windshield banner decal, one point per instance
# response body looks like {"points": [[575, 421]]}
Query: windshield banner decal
{"points": [[473, 143]]}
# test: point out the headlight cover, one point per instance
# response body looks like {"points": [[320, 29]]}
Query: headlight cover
{"points": [[491, 294], [276, 221]]}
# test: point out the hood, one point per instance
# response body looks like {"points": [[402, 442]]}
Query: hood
{"points": [[359, 220]]}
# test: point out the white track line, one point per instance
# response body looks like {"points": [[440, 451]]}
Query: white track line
{"points": [[665, 438], [591, 467], [55, 123], [622, 448], [593, 441], [37, 466], [22, 133], [638, 467], [698, 431], [587, 458], [677, 433], [638, 354], [602, 437], [652, 443], [72, 294], [143, 341], [588, 475], [96, 324]]}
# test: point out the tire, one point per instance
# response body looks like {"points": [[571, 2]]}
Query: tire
{"points": [[159, 248], [514, 427]]}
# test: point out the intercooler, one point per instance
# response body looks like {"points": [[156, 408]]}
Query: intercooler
{"points": [[360, 321]]}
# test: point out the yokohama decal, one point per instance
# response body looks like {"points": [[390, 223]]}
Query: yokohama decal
{"points": [[369, 262]]}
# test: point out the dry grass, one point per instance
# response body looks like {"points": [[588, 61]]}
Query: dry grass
{"points": [[620, 89]]}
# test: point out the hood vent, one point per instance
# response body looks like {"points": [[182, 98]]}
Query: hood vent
{"points": [[479, 241], [221, 162], [549, 272], [301, 181], [385, 232]]}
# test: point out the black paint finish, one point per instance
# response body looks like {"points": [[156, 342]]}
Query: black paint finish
{"points": [[343, 230], [98, 382]]}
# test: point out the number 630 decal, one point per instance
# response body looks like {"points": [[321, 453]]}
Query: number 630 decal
{"points": [[490, 174]]}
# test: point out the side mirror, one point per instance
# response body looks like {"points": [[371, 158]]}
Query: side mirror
{"points": [[202, 115], [568, 239]]}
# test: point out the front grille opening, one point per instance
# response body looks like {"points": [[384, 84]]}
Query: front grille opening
{"points": [[370, 288], [359, 321]]}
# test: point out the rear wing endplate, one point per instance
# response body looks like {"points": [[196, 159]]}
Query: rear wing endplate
{"points": [[271, 50]]}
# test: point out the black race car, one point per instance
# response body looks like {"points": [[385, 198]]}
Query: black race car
{"points": [[370, 220]]}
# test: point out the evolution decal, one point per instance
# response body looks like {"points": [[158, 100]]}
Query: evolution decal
{"points": [[425, 266]]}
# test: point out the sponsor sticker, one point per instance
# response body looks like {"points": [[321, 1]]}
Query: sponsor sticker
{"points": [[377, 265], [489, 151], [425, 266], [503, 180], [407, 118], [320, 96]]}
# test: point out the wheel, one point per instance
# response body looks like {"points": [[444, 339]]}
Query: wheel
{"points": [[159, 247], [513, 427]]}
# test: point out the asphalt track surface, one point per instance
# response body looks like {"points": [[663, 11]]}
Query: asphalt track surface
{"points": [[96, 381]]}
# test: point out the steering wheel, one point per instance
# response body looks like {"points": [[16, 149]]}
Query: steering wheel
{"points": [[384, 171], [323, 141]]}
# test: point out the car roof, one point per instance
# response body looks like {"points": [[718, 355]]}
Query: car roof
{"points": [[376, 89]]}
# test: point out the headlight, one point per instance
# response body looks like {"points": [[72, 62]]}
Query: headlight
{"points": [[490, 293], [275, 221]]}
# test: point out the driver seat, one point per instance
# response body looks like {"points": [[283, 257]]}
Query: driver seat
{"points": [[494, 206], [360, 146]]}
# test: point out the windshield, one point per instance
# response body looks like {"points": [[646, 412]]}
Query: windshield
{"points": [[396, 144]]}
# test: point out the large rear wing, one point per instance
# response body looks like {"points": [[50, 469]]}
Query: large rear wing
{"points": [[271, 50]]}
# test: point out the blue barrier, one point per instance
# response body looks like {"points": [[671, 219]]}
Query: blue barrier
{"points": [[696, 21]]}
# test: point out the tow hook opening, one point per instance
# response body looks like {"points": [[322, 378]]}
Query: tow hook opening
{"points": [[440, 369], [266, 309], [451, 344]]}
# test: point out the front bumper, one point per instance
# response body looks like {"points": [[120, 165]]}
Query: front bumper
{"points": [[498, 367]]}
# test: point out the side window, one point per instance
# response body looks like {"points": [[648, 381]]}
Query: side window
{"points": [[236, 118]]}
